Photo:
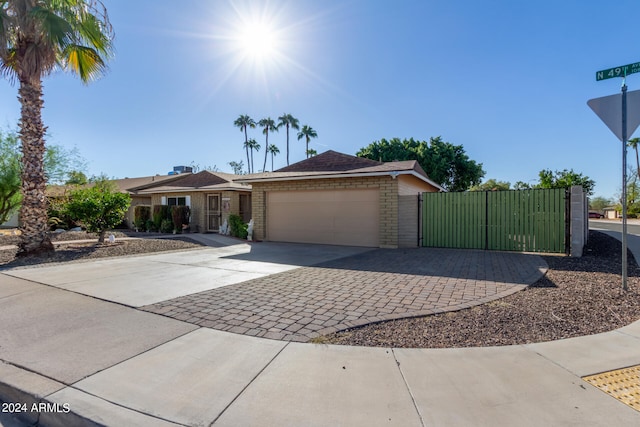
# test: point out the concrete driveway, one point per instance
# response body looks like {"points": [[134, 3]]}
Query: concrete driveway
{"points": [[147, 279]]}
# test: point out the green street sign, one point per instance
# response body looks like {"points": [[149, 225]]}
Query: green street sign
{"points": [[622, 71]]}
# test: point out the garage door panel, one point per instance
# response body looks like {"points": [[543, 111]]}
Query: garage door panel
{"points": [[339, 217]]}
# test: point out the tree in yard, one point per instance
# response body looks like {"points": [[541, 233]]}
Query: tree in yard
{"points": [[307, 132], [565, 179], [273, 150], [633, 143], [288, 121], [446, 164], [599, 203], [99, 208], [36, 38], [58, 166], [251, 145], [243, 122], [76, 178], [9, 175], [492, 185], [267, 125], [521, 185], [237, 167]]}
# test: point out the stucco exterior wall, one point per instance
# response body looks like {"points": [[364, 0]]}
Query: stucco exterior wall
{"points": [[409, 185]]}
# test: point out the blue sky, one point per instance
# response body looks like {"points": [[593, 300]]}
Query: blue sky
{"points": [[508, 80]]}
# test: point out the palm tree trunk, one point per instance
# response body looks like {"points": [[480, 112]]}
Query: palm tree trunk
{"points": [[287, 146], [307, 150], [637, 161], [266, 151], [33, 213], [252, 160], [246, 147]]}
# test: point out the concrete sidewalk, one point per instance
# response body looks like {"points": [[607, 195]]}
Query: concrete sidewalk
{"points": [[103, 363]]}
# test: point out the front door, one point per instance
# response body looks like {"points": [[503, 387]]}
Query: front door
{"points": [[213, 212]]}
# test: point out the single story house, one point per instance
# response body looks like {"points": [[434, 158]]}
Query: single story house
{"points": [[125, 185], [212, 197], [338, 199]]}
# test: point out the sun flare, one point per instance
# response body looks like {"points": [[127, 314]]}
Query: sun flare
{"points": [[258, 41]]}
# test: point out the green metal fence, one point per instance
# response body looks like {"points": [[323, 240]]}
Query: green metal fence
{"points": [[523, 220]]}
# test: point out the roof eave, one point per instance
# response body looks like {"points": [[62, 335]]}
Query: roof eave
{"points": [[342, 175]]}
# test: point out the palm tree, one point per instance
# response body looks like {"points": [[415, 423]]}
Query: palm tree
{"points": [[243, 122], [273, 150], [267, 125], [251, 145], [633, 143], [307, 132], [36, 38], [311, 152], [288, 121]]}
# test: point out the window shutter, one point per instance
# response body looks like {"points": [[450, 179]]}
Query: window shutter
{"points": [[188, 201], [163, 200]]}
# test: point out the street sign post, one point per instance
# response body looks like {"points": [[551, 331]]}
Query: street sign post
{"points": [[622, 71]]}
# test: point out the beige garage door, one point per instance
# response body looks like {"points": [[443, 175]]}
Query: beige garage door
{"points": [[336, 217]]}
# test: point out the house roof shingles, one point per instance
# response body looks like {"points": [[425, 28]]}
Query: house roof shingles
{"points": [[205, 180], [331, 164], [330, 161]]}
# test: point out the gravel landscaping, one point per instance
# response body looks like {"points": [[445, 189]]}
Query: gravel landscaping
{"points": [[578, 296], [69, 249]]}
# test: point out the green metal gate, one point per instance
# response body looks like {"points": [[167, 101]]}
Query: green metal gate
{"points": [[522, 220]]}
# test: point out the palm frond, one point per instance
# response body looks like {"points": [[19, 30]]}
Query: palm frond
{"points": [[84, 61]]}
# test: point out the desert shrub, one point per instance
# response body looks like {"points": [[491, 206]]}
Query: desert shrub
{"points": [[160, 213], [166, 226], [99, 208], [237, 227], [141, 214], [57, 213], [180, 217]]}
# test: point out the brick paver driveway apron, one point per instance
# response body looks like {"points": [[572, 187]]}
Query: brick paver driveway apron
{"points": [[382, 284]]}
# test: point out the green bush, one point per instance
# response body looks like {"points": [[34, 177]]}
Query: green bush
{"points": [[160, 213], [57, 213], [180, 217], [237, 227], [139, 224], [99, 208], [141, 214], [166, 226], [150, 226]]}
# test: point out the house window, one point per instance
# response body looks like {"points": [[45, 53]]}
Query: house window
{"points": [[177, 201]]}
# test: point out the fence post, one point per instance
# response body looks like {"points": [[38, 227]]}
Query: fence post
{"points": [[577, 221], [420, 240]]}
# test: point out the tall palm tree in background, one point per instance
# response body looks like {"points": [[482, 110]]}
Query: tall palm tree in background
{"points": [[243, 122], [251, 145], [36, 38], [267, 125], [311, 152], [273, 150], [633, 143], [288, 121], [307, 133]]}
